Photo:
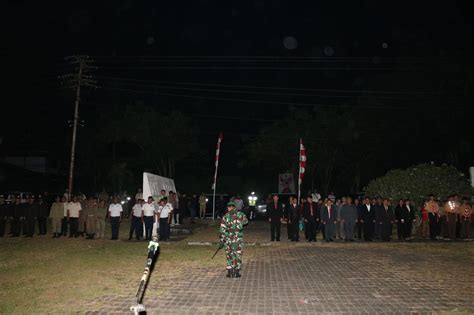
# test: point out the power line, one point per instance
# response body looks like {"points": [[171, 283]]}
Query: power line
{"points": [[277, 58], [270, 87], [253, 68], [245, 92], [249, 101]]}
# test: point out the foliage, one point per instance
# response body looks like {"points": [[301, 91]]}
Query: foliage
{"points": [[331, 137], [419, 181], [159, 140]]}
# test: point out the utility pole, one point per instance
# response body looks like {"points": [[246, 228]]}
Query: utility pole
{"points": [[75, 81]]}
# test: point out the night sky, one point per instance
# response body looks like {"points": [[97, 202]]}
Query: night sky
{"points": [[210, 60]]}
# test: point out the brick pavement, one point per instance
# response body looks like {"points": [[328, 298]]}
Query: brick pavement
{"points": [[344, 278]]}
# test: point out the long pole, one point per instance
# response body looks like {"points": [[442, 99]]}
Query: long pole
{"points": [[218, 148], [301, 168], [74, 131]]}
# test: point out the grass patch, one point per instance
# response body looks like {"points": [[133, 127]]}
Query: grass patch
{"points": [[45, 275]]}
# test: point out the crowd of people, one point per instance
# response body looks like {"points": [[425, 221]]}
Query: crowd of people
{"points": [[343, 218], [369, 218], [81, 216]]}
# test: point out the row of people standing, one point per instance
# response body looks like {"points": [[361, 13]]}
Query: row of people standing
{"points": [[369, 219], [448, 220], [23, 217], [154, 218]]}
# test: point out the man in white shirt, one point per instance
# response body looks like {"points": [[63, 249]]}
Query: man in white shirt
{"points": [[136, 220], [148, 217], [115, 213], [165, 210], [73, 209]]}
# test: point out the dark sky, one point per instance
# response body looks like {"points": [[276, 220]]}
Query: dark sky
{"points": [[338, 47]]}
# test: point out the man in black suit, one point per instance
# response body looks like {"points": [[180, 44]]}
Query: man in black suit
{"points": [[401, 215], [384, 218], [410, 212], [311, 214], [368, 217], [294, 219], [329, 219], [275, 214], [378, 209], [360, 217]]}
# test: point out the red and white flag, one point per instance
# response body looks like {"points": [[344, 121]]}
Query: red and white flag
{"points": [[218, 148], [302, 162]]}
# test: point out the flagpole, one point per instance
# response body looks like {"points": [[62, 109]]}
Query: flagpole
{"points": [[215, 176], [301, 168], [299, 172]]}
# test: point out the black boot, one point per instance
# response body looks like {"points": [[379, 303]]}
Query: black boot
{"points": [[229, 273], [54, 235], [237, 273]]}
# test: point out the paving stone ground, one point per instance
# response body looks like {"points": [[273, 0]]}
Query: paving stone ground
{"points": [[310, 278]]}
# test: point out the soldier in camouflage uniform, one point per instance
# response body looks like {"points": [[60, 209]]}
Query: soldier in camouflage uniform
{"points": [[231, 232]]}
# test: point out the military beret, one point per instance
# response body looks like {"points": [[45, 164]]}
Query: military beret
{"points": [[231, 204]]}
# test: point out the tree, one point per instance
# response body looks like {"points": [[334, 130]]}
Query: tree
{"points": [[329, 135], [158, 140], [418, 182]]}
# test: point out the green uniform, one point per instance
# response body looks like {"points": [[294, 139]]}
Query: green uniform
{"points": [[231, 231]]}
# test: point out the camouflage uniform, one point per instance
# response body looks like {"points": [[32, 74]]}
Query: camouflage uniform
{"points": [[231, 233]]}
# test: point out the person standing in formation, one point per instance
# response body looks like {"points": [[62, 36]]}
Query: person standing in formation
{"points": [[385, 220], [149, 217], [294, 219], [311, 214], [202, 206], [173, 200], [348, 218], [368, 215], [16, 217], [411, 218], [329, 219], [43, 213], [451, 208], [102, 212], [31, 214], [401, 218], [465, 214], [90, 215], [115, 215], [3, 215], [275, 214], [56, 215], [73, 211], [360, 218], [231, 236], [136, 220], [165, 211], [432, 208]]}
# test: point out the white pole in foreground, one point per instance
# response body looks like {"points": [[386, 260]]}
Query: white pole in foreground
{"points": [[218, 148]]}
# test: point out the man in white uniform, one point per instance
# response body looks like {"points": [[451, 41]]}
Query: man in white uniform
{"points": [[73, 209], [165, 210], [136, 220], [148, 217], [115, 214]]}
